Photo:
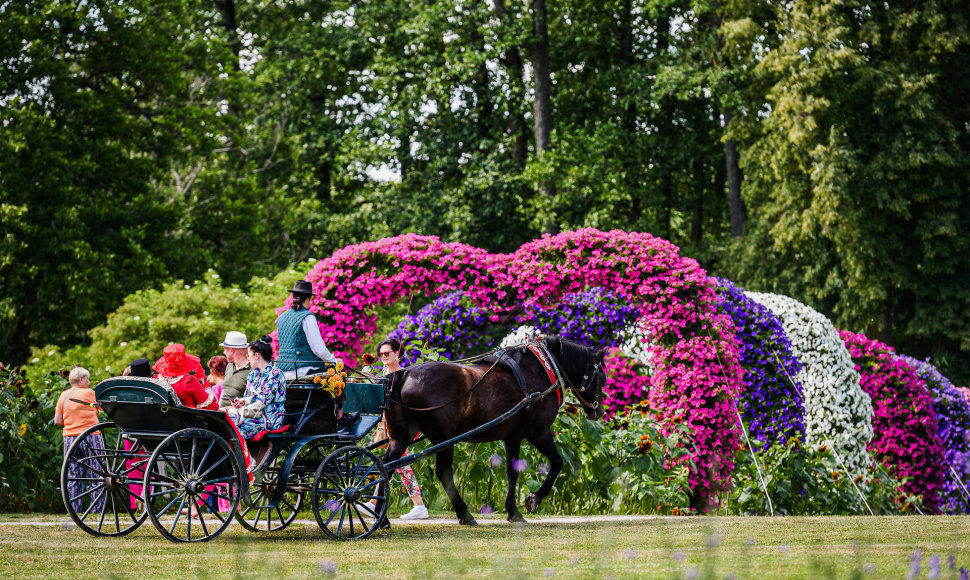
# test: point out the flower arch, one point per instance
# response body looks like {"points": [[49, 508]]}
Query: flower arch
{"points": [[352, 283], [837, 410], [953, 414], [771, 403], [692, 347]]}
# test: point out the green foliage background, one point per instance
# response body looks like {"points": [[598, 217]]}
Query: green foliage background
{"points": [[814, 148]]}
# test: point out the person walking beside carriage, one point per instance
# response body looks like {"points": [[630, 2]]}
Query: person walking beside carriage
{"points": [[76, 411], [236, 348], [302, 350], [389, 352]]}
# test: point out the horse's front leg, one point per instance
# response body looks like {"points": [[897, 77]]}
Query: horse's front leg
{"points": [[546, 445], [443, 468], [512, 475]]}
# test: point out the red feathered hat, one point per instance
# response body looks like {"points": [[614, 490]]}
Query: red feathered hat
{"points": [[175, 362]]}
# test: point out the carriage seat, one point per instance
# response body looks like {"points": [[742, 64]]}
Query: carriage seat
{"points": [[259, 436], [135, 390], [366, 399]]}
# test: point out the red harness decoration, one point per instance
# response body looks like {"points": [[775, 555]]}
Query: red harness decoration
{"points": [[547, 365]]}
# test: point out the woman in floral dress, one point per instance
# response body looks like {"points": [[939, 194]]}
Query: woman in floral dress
{"points": [[262, 406]]}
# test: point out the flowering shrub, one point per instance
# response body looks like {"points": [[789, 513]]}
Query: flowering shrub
{"points": [[697, 374], [953, 416], [771, 403], [594, 317], [837, 411], [906, 434], [451, 323], [31, 447]]}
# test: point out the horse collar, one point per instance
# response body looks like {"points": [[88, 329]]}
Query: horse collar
{"points": [[537, 346]]}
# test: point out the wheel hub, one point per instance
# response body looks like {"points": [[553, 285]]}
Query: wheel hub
{"points": [[193, 486], [351, 495]]}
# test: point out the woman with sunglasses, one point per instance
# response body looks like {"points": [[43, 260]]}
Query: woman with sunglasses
{"points": [[389, 352]]}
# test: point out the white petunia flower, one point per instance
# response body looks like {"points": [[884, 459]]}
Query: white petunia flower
{"points": [[636, 347], [517, 337], [837, 411]]}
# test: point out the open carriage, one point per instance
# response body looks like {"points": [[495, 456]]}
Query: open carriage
{"points": [[184, 468]]}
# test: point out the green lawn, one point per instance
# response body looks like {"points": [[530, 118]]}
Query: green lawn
{"points": [[817, 547]]}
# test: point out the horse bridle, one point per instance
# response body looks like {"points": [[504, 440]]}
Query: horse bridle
{"points": [[588, 377]]}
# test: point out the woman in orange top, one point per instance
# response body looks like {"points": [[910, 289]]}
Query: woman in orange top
{"points": [[75, 411]]}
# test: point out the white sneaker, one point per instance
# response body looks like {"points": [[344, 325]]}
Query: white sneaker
{"points": [[367, 510], [418, 512]]}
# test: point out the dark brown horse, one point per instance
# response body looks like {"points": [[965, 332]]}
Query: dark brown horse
{"points": [[444, 400]]}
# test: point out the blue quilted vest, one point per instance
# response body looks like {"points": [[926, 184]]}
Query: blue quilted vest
{"points": [[293, 343]]}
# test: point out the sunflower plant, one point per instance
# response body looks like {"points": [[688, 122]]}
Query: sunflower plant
{"points": [[31, 446]]}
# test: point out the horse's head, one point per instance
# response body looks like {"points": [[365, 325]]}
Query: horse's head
{"points": [[582, 369]]}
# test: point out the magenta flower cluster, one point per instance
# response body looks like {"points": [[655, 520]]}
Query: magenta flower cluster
{"points": [[627, 383], [906, 432], [697, 378], [953, 414]]}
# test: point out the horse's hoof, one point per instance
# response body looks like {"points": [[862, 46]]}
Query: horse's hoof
{"points": [[517, 518], [532, 503], [468, 521]]}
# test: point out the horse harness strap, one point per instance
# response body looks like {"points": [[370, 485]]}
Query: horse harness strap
{"points": [[504, 360], [549, 365], [445, 404], [538, 347]]}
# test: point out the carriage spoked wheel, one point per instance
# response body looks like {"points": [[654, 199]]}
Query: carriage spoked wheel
{"points": [[101, 481], [187, 474], [260, 513], [344, 485]]}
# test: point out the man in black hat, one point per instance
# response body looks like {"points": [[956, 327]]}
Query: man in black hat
{"points": [[302, 350], [140, 367]]}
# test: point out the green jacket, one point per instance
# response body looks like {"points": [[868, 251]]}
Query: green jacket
{"points": [[234, 385]]}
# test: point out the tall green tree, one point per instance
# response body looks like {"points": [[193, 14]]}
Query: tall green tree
{"points": [[859, 171], [98, 108]]}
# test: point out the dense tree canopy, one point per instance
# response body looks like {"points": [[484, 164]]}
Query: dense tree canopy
{"points": [[814, 148]]}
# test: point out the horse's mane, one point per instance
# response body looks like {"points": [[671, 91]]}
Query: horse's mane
{"points": [[573, 358]]}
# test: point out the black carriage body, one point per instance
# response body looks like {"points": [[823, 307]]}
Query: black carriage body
{"points": [[146, 412]]}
